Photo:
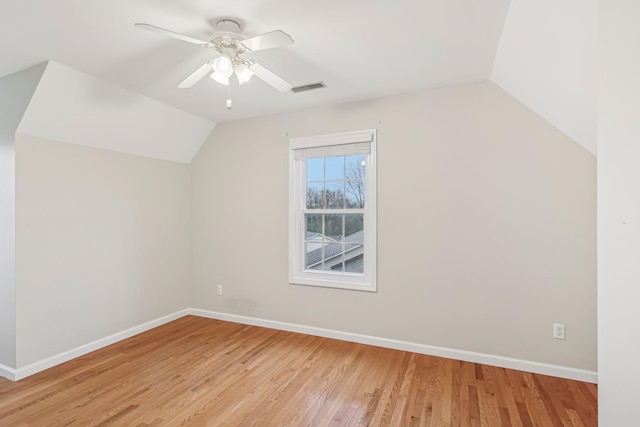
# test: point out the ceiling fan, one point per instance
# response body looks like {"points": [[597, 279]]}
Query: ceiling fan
{"points": [[229, 45]]}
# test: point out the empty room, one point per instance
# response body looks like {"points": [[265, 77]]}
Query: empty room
{"points": [[288, 213]]}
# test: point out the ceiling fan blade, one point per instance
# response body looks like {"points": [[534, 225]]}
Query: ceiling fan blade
{"points": [[173, 34], [269, 40], [270, 78], [196, 76]]}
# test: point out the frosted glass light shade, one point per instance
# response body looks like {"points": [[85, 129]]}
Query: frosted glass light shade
{"points": [[223, 65], [243, 73], [220, 78]]}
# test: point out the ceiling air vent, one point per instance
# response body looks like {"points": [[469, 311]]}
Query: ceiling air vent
{"points": [[310, 86]]}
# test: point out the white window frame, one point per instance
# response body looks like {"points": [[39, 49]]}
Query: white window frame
{"points": [[326, 146]]}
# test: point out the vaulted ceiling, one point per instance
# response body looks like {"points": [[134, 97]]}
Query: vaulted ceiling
{"points": [[540, 52]]}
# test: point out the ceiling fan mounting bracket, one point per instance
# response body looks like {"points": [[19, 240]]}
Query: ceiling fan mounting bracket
{"points": [[228, 25]]}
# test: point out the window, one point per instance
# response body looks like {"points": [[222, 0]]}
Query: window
{"points": [[333, 211]]}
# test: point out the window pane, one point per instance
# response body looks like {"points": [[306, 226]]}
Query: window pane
{"points": [[354, 259], [314, 241], [333, 257], [355, 167], [313, 255], [315, 195], [354, 188], [354, 228], [333, 227], [313, 225], [355, 195], [335, 195], [334, 168], [315, 169]]}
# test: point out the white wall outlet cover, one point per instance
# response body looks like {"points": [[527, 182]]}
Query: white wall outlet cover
{"points": [[558, 331]]}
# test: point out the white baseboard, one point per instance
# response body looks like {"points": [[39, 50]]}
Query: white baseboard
{"points": [[467, 356], [49, 362], [7, 372]]}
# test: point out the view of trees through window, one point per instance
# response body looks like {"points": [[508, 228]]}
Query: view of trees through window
{"points": [[335, 197]]}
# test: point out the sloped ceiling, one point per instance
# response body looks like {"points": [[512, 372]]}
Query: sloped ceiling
{"points": [[547, 59], [542, 53], [76, 108]]}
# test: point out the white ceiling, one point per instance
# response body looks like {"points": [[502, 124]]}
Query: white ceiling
{"points": [[361, 49]]}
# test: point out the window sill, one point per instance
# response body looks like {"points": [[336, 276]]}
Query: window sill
{"points": [[335, 284]]}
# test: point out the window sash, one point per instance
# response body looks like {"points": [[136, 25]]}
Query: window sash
{"points": [[337, 211]]}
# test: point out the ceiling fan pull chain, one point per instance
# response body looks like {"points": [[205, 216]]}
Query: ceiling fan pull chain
{"points": [[229, 102]]}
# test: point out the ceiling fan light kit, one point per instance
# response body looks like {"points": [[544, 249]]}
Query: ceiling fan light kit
{"points": [[229, 45], [243, 73], [220, 78], [223, 65]]}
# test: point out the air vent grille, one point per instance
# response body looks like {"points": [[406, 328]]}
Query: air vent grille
{"points": [[310, 86]]}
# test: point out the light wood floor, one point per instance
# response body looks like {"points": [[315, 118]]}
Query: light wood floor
{"points": [[197, 371]]}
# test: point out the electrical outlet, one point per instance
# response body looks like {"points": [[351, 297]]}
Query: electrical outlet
{"points": [[219, 290], [558, 331]]}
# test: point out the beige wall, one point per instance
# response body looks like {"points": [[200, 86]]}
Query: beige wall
{"points": [[486, 226], [486, 232], [102, 244]]}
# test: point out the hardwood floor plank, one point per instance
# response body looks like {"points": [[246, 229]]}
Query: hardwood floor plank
{"points": [[525, 419], [555, 407], [506, 398], [402, 399], [384, 413], [474, 406], [204, 372], [575, 418], [489, 409]]}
